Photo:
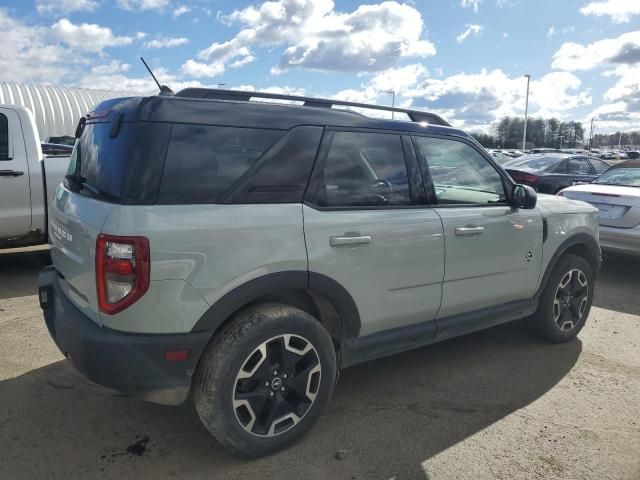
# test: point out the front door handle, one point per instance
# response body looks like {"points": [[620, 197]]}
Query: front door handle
{"points": [[349, 241], [465, 231], [10, 173]]}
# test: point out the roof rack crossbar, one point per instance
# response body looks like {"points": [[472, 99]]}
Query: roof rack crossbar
{"points": [[245, 96]]}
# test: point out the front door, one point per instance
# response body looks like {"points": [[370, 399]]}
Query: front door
{"points": [[365, 228], [15, 197], [493, 251]]}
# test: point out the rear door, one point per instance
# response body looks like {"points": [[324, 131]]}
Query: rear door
{"points": [[493, 251], [15, 194], [580, 170], [366, 226]]}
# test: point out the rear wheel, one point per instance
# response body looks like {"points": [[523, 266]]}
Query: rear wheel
{"points": [[566, 300], [264, 381]]}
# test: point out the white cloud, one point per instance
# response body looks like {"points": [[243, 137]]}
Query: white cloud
{"points": [[398, 79], [65, 6], [475, 4], [316, 36], [620, 11], [551, 32], [166, 42], [624, 49], [143, 4], [477, 100], [469, 29], [181, 10], [30, 57], [87, 36]]}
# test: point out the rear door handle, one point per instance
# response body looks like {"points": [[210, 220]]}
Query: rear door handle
{"points": [[349, 241], [465, 231], [10, 173]]}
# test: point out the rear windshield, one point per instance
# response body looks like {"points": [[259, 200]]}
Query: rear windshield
{"points": [[203, 161], [629, 177], [103, 159], [535, 162]]}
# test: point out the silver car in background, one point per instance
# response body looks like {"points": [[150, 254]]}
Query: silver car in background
{"points": [[616, 194]]}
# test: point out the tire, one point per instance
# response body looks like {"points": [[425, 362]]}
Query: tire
{"points": [[265, 379], [566, 300]]}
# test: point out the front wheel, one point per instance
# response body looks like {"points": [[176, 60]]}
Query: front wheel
{"points": [[566, 300], [265, 379]]}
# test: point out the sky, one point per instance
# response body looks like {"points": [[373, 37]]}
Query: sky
{"points": [[463, 59]]}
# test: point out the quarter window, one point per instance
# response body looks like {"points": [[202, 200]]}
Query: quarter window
{"points": [[460, 174], [364, 170], [204, 161], [4, 137]]}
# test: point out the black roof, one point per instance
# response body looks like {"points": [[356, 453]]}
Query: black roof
{"points": [[199, 109]]}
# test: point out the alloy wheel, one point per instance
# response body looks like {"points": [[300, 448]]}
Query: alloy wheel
{"points": [[276, 385], [571, 299]]}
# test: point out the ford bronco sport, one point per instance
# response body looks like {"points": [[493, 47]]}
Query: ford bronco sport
{"points": [[245, 251]]}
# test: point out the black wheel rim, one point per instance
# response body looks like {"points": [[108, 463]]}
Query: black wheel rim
{"points": [[276, 385], [571, 300]]}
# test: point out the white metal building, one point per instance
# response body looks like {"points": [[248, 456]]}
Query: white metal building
{"points": [[56, 109]]}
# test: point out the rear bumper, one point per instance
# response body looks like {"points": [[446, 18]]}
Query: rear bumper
{"points": [[131, 363], [622, 240]]}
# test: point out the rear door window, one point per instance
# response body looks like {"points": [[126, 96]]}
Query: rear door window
{"points": [[578, 166], [204, 161], [364, 170]]}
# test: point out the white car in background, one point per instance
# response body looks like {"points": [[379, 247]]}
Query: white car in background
{"points": [[616, 194]]}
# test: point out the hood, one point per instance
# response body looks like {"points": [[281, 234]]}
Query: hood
{"points": [[557, 204]]}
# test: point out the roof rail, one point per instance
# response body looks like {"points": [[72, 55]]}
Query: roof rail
{"points": [[245, 96]]}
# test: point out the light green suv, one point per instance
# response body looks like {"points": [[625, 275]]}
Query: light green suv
{"points": [[245, 251]]}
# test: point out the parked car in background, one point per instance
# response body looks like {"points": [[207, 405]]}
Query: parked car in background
{"points": [[543, 150], [616, 194], [238, 253], [633, 154], [28, 178], [551, 172]]}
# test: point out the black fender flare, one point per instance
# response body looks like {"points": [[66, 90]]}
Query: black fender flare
{"points": [[273, 283], [585, 239]]}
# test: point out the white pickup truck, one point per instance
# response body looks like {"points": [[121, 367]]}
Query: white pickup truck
{"points": [[28, 179]]}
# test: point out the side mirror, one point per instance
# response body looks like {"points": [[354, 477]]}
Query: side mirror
{"points": [[523, 196]]}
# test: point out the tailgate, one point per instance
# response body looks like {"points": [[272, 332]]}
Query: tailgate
{"points": [[74, 223]]}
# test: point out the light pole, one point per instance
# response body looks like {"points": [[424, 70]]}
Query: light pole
{"points": [[393, 102], [591, 135], [526, 113]]}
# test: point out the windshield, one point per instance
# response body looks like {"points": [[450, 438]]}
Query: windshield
{"points": [[629, 177]]}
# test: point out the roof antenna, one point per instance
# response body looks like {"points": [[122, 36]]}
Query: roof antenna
{"points": [[164, 90]]}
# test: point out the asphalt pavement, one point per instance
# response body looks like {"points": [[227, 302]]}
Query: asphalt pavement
{"points": [[495, 404]]}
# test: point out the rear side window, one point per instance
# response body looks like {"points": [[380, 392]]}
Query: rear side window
{"points": [[4, 137], [578, 166], [203, 161], [364, 170]]}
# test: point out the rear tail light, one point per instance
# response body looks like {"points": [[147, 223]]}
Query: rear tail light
{"points": [[122, 271], [526, 178]]}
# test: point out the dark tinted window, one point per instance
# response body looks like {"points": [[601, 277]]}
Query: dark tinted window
{"points": [[4, 138], [203, 161], [281, 175], [364, 169], [578, 166], [460, 174], [103, 159]]}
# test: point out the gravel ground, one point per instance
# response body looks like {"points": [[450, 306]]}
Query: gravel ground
{"points": [[496, 404]]}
